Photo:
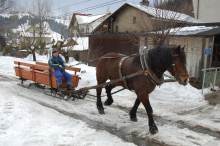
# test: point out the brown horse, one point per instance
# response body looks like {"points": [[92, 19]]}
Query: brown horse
{"points": [[113, 65]]}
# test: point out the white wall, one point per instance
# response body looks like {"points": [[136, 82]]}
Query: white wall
{"points": [[207, 10], [193, 50]]}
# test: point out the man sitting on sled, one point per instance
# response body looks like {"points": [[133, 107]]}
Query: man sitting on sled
{"points": [[58, 67]]}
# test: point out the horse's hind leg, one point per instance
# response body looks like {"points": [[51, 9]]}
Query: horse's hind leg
{"points": [[133, 111], [109, 100]]}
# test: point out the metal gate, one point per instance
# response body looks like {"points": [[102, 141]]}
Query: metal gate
{"points": [[211, 78]]}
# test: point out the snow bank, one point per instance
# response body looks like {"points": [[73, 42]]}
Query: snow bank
{"points": [[6, 65]]}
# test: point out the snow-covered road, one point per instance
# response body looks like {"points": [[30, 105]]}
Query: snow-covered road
{"points": [[26, 123], [184, 118]]}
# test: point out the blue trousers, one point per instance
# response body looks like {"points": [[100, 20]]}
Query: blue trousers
{"points": [[59, 75]]}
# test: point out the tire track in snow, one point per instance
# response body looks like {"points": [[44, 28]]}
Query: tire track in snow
{"points": [[133, 137]]}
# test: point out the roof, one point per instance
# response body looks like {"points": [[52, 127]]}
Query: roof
{"points": [[161, 13], [90, 20], [157, 13], [195, 30], [83, 19], [211, 32]]}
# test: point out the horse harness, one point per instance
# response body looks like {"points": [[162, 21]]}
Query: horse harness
{"points": [[146, 71], [120, 71], [144, 55]]}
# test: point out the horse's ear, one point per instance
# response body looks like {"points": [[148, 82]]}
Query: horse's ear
{"points": [[177, 50], [183, 48]]}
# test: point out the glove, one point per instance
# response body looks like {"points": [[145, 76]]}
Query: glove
{"points": [[62, 68]]}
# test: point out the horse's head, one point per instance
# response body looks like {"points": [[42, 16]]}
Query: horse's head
{"points": [[178, 68]]}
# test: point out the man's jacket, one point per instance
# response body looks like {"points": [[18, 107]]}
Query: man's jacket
{"points": [[56, 62]]}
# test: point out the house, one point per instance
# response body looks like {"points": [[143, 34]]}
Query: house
{"points": [[132, 27], [80, 50], [125, 30], [29, 33], [80, 28], [84, 24]]}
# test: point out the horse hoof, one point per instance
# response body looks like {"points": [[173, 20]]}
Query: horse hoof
{"points": [[133, 118], [108, 102], [101, 112], [153, 130]]}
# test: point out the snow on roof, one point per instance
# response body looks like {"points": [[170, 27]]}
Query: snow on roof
{"points": [[20, 14], [83, 43], [24, 30], [190, 30], [161, 13], [65, 22], [81, 19]]}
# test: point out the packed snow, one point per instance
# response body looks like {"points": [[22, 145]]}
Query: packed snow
{"points": [[24, 123], [171, 102]]}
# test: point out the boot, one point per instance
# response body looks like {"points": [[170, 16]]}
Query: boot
{"points": [[59, 90], [69, 87], [69, 91]]}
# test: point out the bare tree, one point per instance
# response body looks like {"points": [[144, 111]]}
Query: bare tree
{"points": [[171, 18], [41, 9], [164, 21], [5, 5]]}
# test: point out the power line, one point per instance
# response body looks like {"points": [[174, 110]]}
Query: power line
{"points": [[69, 5], [93, 7]]}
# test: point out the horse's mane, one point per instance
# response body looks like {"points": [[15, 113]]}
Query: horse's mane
{"points": [[160, 56], [159, 59]]}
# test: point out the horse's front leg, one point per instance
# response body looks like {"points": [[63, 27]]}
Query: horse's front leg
{"points": [[99, 101], [133, 111], [109, 100], [144, 98]]}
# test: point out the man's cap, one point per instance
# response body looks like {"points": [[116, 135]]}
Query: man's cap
{"points": [[55, 50]]}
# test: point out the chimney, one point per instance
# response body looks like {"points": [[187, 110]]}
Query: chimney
{"points": [[144, 2]]}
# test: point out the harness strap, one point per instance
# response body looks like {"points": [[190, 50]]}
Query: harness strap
{"points": [[152, 77], [143, 58], [144, 64], [120, 71]]}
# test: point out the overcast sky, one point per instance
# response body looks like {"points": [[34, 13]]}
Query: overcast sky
{"points": [[66, 7]]}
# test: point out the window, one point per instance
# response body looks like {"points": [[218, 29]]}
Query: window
{"points": [[134, 20]]}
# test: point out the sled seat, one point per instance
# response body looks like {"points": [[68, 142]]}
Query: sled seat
{"points": [[40, 72]]}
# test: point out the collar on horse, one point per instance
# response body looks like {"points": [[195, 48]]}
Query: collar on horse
{"points": [[146, 71], [144, 55]]}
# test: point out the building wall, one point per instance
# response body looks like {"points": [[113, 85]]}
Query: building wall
{"points": [[207, 10], [124, 21], [79, 55], [105, 43], [194, 52]]}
